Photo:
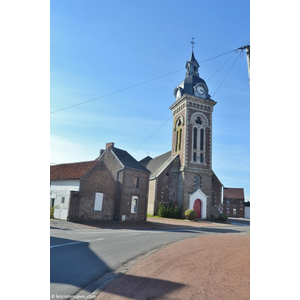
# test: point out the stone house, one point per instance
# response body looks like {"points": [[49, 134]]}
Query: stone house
{"points": [[233, 202], [112, 187]]}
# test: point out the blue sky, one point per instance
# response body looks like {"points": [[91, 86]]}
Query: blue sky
{"points": [[118, 52]]}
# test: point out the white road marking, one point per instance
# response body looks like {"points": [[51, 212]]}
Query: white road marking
{"points": [[67, 244], [128, 234]]}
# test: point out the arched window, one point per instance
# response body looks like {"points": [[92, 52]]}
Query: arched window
{"points": [[199, 123], [178, 129], [197, 182]]}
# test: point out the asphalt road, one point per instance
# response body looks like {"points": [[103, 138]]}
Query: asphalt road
{"points": [[79, 257]]}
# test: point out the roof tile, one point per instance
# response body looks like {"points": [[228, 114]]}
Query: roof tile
{"points": [[71, 170]]}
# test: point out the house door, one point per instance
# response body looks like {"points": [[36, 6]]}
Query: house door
{"points": [[197, 208], [74, 204]]}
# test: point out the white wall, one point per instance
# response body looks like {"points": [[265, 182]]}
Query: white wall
{"points": [[59, 189]]}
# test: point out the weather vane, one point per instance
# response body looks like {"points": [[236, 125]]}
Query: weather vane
{"points": [[193, 43]]}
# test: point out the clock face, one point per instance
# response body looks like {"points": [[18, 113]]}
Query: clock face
{"points": [[200, 90]]}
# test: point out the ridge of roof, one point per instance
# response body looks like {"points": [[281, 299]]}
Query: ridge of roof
{"points": [[144, 162], [159, 163], [127, 160]]}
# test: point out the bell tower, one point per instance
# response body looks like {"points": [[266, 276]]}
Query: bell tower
{"points": [[192, 139]]}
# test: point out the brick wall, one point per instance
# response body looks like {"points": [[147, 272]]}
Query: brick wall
{"points": [[97, 180], [129, 191], [151, 197], [111, 162], [230, 204], [217, 191]]}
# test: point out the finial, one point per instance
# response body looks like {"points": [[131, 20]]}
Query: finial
{"points": [[193, 43]]}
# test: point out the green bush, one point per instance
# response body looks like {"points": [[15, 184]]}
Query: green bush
{"points": [[167, 210], [223, 217], [190, 214], [51, 212]]}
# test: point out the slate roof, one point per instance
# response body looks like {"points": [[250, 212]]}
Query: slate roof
{"points": [[127, 160], [71, 170], [233, 193], [145, 160], [159, 163]]}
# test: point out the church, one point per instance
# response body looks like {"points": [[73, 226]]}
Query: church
{"points": [[184, 175], [115, 186]]}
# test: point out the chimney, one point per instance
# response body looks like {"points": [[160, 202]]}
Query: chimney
{"points": [[108, 145]]}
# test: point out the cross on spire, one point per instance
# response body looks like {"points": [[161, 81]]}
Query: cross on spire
{"points": [[193, 43]]}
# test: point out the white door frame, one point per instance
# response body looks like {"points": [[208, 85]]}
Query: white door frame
{"points": [[198, 194]]}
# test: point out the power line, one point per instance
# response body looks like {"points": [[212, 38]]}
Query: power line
{"points": [[225, 76], [152, 134], [133, 86], [220, 68], [235, 50], [116, 92]]}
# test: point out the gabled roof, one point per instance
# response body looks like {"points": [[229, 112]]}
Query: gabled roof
{"points": [[159, 163], [145, 160], [71, 170], [233, 193], [127, 160]]}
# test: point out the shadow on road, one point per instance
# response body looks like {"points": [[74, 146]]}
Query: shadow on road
{"points": [[129, 286], [161, 225], [74, 266], [73, 263]]}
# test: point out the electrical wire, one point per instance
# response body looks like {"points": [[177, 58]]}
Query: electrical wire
{"points": [[220, 68], [235, 50], [152, 134], [226, 76], [133, 86]]}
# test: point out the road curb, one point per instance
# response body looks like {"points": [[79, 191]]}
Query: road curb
{"points": [[102, 282]]}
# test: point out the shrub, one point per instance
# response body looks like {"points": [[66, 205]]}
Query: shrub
{"points": [[190, 214], [167, 210], [223, 217], [51, 212]]}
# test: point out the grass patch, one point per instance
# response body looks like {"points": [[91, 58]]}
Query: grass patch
{"points": [[150, 216]]}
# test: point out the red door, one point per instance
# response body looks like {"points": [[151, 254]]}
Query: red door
{"points": [[197, 208]]}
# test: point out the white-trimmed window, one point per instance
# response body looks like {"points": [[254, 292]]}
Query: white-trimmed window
{"points": [[98, 202], [134, 204], [178, 128], [199, 139]]}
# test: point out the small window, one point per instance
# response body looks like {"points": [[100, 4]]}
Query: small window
{"points": [[134, 204], [228, 202], [136, 181], [195, 156], [98, 202], [62, 200], [197, 182], [234, 211]]}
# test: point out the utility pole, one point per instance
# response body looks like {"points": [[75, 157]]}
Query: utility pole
{"points": [[248, 57]]}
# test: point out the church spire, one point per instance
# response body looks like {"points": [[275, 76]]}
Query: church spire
{"points": [[192, 65]]}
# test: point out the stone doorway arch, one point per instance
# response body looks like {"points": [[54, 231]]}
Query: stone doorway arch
{"points": [[193, 202]]}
